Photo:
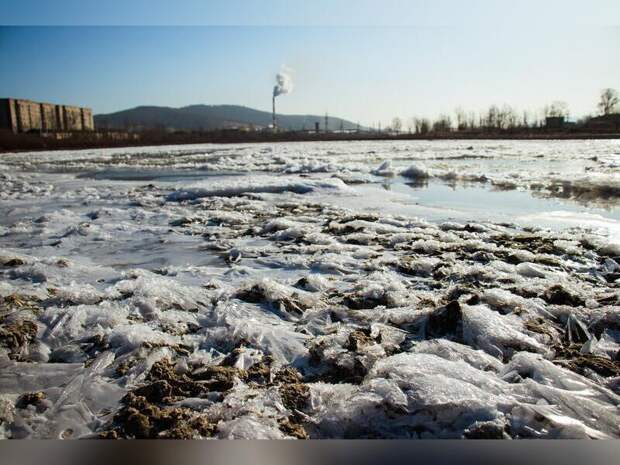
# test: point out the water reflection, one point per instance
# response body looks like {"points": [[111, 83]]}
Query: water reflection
{"points": [[420, 183], [505, 198]]}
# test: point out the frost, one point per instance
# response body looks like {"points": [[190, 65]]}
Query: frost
{"points": [[307, 290], [498, 335]]}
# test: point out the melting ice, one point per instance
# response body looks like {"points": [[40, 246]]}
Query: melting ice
{"points": [[312, 290]]}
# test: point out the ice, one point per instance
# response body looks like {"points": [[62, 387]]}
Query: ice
{"points": [[385, 169], [507, 302], [496, 334], [611, 249], [573, 395], [454, 351], [82, 321], [258, 185], [249, 428], [531, 270], [347, 299], [231, 323], [131, 336], [415, 172]]}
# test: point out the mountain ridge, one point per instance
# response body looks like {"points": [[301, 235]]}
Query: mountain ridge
{"points": [[202, 117]]}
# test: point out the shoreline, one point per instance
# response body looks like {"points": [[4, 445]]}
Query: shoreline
{"points": [[83, 141]]}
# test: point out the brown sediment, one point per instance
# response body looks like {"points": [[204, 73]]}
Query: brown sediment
{"points": [[558, 295], [445, 321], [359, 302], [16, 301], [256, 295], [541, 326], [260, 372], [295, 396], [145, 413], [32, 398], [288, 375], [219, 378], [141, 419], [16, 336], [570, 356], [485, 430], [359, 339], [291, 428]]}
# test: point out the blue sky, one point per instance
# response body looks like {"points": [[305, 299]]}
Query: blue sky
{"points": [[366, 61]]}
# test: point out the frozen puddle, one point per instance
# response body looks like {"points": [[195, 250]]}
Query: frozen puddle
{"points": [[324, 290], [441, 201], [142, 174]]}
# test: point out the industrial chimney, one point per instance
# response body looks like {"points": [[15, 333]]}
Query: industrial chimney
{"points": [[274, 125], [284, 84]]}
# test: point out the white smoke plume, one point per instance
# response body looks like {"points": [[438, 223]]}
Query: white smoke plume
{"points": [[284, 82]]}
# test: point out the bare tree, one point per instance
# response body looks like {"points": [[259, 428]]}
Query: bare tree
{"points": [[557, 108], [471, 120], [609, 101], [397, 124], [509, 117], [421, 125], [417, 123], [443, 124], [461, 118], [425, 126], [525, 121], [493, 118]]}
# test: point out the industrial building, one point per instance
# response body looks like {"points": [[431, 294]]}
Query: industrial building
{"points": [[20, 115]]}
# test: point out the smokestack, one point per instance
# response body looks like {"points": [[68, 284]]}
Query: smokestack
{"points": [[284, 85]]}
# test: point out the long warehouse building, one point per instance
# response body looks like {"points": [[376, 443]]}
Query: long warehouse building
{"points": [[20, 115]]}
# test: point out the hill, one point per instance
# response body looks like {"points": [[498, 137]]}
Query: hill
{"points": [[209, 117]]}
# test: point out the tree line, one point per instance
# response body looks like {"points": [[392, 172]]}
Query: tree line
{"points": [[499, 118]]}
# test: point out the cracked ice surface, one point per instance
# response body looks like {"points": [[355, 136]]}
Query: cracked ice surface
{"points": [[278, 291]]}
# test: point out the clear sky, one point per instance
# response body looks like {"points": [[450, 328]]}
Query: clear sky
{"points": [[365, 61]]}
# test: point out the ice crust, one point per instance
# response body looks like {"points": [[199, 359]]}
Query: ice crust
{"points": [[389, 325]]}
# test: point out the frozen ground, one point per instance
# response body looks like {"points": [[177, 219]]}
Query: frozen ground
{"points": [[323, 290]]}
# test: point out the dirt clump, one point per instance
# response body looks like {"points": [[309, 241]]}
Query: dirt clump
{"points": [[445, 321], [485, 430], [140, 419], [541, 326], [16, 336], [288, 375], [295, 396], [218, 378], [291, 428], [16, 301], [558, 295], [358, 339], [570, 356], [13, 262], [166, 382], [260, 372], [37, 399], [257, 295], [360, 302]]}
